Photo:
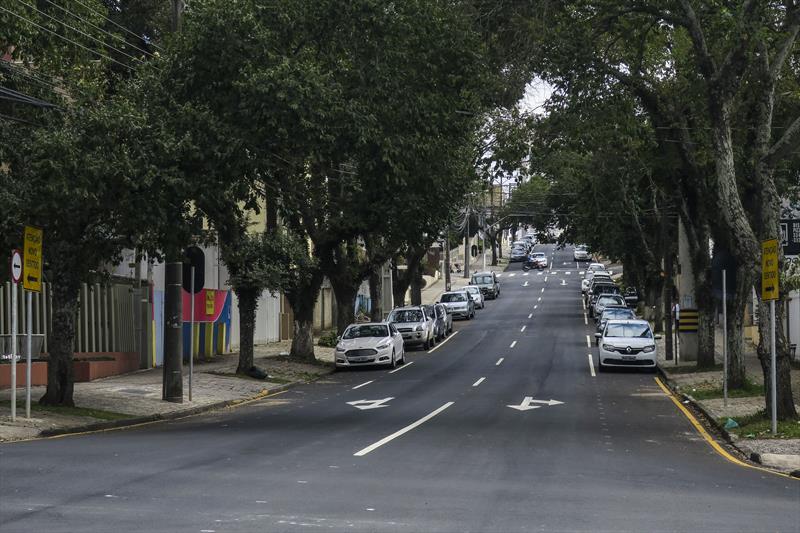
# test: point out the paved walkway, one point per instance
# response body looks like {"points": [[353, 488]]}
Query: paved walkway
{"points": [[138, 394]]}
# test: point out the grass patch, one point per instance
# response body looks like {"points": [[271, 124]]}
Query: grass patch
{"points": [[688, 369], [712, 390], [69, 411], [759, 426]]}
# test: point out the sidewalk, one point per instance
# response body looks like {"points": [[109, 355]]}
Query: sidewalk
{"points": [[703, 389], [136, 397]]}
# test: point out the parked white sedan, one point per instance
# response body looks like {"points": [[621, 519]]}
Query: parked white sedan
{"points": [[627, 343], [375, 343]]}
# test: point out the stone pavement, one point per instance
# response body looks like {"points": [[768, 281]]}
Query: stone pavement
{"points": [[786, 451], [138, 394]]}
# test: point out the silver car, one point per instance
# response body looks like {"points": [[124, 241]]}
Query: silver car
{"points": [[477, 296], [627, 343], [459, 304], [605, 300], [417, 326], [444, 321], [374, 343]]}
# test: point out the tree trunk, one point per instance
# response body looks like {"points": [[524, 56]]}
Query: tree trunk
{"points": [[345, 303], [60, 373], [248, 304], [303, 340], [742, 291], [786, 409], [416, 287], [302, 300], [376, 294], [400, 284], [704, 298]]}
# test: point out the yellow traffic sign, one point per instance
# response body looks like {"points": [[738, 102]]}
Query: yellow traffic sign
{"points": [[32, 260], [769, 270]]}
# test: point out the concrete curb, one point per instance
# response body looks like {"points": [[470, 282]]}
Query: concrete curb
{"points": [[746, 453], [161, 417]]}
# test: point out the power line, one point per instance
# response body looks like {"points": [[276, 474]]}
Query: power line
{"points": [[20, 120], [120, 26], [17, 96], [95, 39], [99, 28], [48, 30]]}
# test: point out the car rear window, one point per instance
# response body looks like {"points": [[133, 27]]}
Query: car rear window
{"points": [[407, 315], [454, 297], [481, 280]]}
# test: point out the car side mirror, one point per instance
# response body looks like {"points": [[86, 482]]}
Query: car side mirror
{"points": [[598, 335], [658, 337]]}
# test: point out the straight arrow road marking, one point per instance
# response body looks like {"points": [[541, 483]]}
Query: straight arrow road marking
{"points": [[478, 382], [591, 365], [522, 329], [362, 385], [442, 343], [563, 282], [398, 369], [406, 429], [513, 344], [370, 404], [499, 361]]}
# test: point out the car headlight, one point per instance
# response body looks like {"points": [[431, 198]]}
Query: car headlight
{"points": [[339, 348], [608, 348], [648, 349], [383, 346], [418, 328]]}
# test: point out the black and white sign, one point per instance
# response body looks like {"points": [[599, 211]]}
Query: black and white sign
{"points": [[790, 237], [16, 266]]}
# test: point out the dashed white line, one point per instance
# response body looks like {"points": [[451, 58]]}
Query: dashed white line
{"points": [[542, 289], [398, 369], [527, 274], [512, 275], [522, 329], [406, 429], [585, 319], [362, 385], [588, 341], [478, 382], [545, 278], [568, 273], [442, 343], [591, 365], [539, 299], [513, 344], [499, 361], [531, 315], [537, 305]]}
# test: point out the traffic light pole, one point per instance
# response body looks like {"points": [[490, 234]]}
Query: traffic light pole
{"points": [[173, 333]]}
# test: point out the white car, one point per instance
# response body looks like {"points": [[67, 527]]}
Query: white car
{"points": [[375, 343], [477, 296], [627, 343], [539, 259], [589, 276], [605, 300], [416, 324], [581, 253], [459, 304]]}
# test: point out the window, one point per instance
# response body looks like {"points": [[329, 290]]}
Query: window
{"points": [[407, 315], [360, 332], [454, 297], [641, 331]]}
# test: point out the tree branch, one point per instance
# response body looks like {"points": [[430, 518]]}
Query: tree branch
{"points": [[782, 146]]}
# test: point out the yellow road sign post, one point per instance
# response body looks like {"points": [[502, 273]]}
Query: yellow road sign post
{"points": [[32, 260], [770, 292]]}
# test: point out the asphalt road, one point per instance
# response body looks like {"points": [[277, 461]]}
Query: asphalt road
{"points": [[616, 455]]}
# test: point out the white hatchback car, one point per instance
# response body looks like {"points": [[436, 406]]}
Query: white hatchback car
{"points": [[477, 296], [375, 343], [627, 343]]}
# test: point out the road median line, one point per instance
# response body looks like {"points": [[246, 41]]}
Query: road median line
{"points": [[386, 440]]}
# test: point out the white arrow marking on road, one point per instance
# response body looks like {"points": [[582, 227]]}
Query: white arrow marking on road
{"points": [[551, 402], [362, 385], [370, 404], [513, 344], [525, 284], [563, 282], [525, 405], [499, 361], [522, 329]]}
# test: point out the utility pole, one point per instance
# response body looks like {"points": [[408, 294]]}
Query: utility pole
{"points": [[466, 248], [447, 284], [172, 387]]}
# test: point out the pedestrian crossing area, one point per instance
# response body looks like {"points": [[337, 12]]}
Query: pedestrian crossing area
{"points": [[541, 273]]}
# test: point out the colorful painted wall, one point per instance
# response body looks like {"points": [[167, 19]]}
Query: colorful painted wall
{"points": [[212, 323]]}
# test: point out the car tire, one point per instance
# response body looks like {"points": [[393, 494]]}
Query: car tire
{"points": [[393, 361], [600, 367], [427, 345], [403, 359]]}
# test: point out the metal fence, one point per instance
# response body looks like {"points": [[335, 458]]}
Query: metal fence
{"points": [[104, 321]]}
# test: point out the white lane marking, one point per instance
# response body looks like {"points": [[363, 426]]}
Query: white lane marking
{"points": [[513, 344], [512, 274], [499, 361], [478, 382], [539, 273], [583, 303], [582, 272], [527, 274], [588, 342], [362, 385], [442, 343], [585, 319], [539, 299], [522, 329], [591, 365], [537, 305], [370, 404], [406, 429], [531, 315], [542, 289], [398, 369]]}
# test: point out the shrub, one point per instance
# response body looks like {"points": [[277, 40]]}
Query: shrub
{"points": [[328, 339]]}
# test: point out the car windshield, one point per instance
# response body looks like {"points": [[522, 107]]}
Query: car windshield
{"points": [[454, 297], [359, 332], [612, 314], [406, 315], [482, 280], [606, 300], [641, 331], [538, 254]]}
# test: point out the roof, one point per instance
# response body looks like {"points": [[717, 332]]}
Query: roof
{"points": [[628, 321]]}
